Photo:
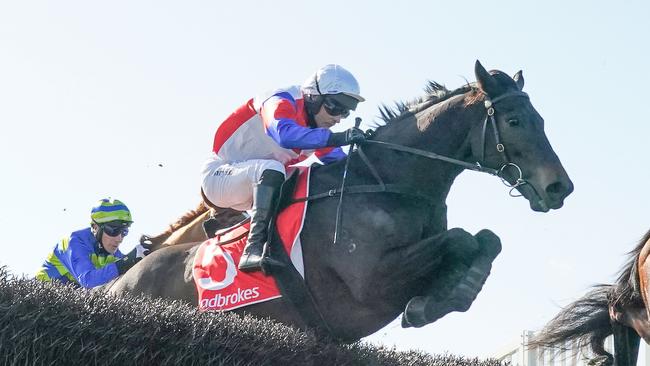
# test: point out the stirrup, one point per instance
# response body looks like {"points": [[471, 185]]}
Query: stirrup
{"points": [[248, 264], [265, 264], [251, 259], [270, 265]]}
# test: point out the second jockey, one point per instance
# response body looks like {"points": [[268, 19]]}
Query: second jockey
{"points": [[90, 257], [259, 139]]}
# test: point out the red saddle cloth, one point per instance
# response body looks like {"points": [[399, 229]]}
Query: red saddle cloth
{"points": [[221, 286]]}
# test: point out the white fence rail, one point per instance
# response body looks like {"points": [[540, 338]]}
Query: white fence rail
{"points": [[518, 354]]}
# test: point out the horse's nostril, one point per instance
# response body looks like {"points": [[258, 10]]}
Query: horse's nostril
{"points": [[556, 189]]}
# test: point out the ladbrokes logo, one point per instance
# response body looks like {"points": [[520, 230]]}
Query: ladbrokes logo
{"points": [[203, 277], [221, 301]]}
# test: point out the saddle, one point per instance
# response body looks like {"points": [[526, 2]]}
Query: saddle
{"points": [[278, 262]]}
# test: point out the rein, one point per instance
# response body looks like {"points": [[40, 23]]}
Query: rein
{"points": [[381, 187]]}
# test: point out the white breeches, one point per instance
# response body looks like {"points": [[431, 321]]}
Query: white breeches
{"points": [[230, 185]]}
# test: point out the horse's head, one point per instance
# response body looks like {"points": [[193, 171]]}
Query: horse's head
{"points": [[630, 300], [512, 139]]}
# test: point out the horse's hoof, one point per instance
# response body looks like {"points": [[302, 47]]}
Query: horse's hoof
{"points": [[405, 322], [423, 310], [414, 313]]}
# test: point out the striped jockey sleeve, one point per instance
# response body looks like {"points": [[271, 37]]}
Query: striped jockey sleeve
{"points": [[282, 121], [330, 155]]}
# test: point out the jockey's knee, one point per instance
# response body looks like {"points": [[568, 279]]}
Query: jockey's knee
{"points": [[263, 165]]}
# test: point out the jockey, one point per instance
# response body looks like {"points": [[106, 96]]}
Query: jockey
{"points": [[90, 257], [258, 140]]}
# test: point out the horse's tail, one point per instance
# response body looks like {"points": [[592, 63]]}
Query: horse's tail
{"points": [[585, 322], [188, 217]]}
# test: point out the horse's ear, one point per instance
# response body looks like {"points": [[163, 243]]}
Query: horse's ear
{"points": [[519, 79], [487, 83]]}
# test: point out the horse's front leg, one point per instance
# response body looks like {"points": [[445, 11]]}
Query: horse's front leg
{"points": [[403, 269], [626, 345], [457, 282]]}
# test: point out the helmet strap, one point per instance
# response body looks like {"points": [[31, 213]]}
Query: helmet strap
{"points": [[98, 236], [316, 82], [312, 106]]}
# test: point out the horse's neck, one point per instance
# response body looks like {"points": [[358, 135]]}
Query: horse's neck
{"points": [[190, 232], [444, 130]]}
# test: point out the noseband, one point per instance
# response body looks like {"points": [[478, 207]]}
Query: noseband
{"points": [[489, 118]]}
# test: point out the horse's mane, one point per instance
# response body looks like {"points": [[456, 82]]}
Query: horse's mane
{"points": [[187, 217], [435, 94], [628, 289]]}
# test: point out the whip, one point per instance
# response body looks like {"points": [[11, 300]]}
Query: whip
{"points": [[357, 123]]}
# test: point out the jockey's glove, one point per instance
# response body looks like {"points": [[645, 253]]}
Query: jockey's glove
{"points": [[144, 247], [129, 260], [352, 135]]}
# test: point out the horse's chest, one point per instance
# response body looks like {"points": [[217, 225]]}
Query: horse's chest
{"points": [[382, 224]]}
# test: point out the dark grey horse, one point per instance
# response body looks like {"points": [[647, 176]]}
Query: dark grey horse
{"points": [[395, 253]]}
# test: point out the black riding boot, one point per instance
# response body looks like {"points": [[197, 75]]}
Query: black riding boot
{"points": [[264, 196]]}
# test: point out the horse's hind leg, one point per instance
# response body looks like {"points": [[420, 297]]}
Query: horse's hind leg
{"points": [[458, 283]]}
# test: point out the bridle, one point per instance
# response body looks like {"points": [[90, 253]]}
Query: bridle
{"points": [[489, 106], [381, 186], [478, 166]]}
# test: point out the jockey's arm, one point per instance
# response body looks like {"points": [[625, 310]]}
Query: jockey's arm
{"points": [[77, 259], [328, 155], [280, 116]]}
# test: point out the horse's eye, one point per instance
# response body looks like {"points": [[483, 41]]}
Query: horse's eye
{"points": [[513, 122]]}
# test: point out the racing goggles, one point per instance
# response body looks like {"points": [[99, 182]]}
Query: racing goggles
{"points": [[115, 229], [334, 108]]}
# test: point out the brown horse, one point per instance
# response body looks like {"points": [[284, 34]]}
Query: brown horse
{"points": [[189, 228], [620, 310], [395, 253]]}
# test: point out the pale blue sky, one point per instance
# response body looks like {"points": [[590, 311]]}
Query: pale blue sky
{"points": [[94, 95]]}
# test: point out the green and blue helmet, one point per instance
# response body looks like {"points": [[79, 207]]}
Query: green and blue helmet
{"points": [[108, 210]]}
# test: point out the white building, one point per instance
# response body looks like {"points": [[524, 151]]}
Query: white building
{"points": [[518, 355]]}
